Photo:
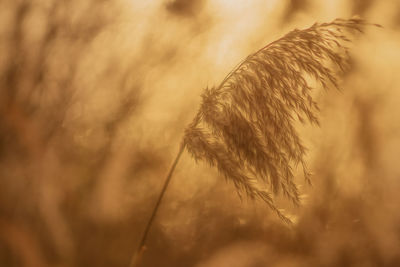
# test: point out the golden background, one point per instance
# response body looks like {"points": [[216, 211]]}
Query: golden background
{"points": [[94, 99]]}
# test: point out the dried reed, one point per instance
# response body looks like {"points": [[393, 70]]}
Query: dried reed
{"points": [[245, 126]]}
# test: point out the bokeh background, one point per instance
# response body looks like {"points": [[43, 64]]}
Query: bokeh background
{"points": [[94, 98]]}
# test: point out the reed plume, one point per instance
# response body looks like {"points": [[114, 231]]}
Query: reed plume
{"points": [[246, 126]]}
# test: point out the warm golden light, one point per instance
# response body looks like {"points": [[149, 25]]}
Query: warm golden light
{"points": [[97, 97]]}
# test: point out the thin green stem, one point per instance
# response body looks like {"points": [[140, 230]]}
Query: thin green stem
{"points": [[138, 253]]}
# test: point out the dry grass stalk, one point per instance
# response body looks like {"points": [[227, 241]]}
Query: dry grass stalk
{"points": [[245, 126]]}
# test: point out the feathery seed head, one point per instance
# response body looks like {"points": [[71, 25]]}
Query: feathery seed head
{"points": [[245, 126]]}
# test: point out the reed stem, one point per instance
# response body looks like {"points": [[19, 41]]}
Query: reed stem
{"points": [[140, 250]]}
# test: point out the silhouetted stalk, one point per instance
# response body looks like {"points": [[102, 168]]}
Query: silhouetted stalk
{"points": [[246, 126], [138, 253]]}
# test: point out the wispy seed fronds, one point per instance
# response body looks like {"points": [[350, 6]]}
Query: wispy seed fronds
{"points": [[245, 126]]}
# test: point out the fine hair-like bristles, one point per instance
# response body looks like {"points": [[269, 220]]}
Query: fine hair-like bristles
{"points": [[245, 126]]}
